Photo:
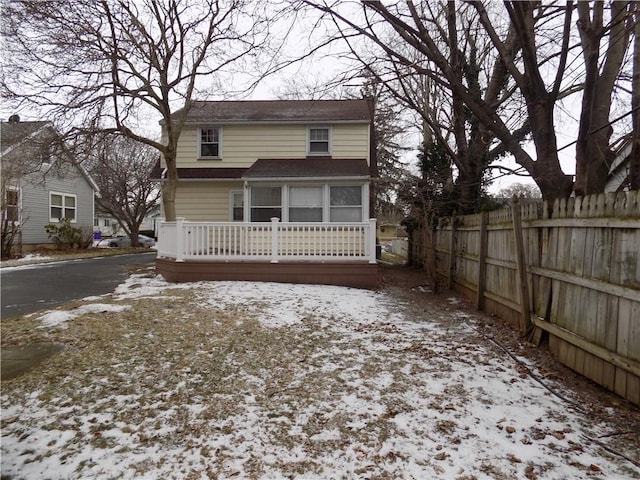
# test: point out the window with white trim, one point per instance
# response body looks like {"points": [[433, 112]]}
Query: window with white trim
{"points": [[107, 222], [237, 206], [319, 141], [11, 205], [266, 203], [62, 205], [305, 204], [345, 203], [209, 142]]}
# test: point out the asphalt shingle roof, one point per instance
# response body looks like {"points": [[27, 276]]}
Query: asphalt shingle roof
{"points": [[248, 111], [12, 133], [307, 168]]}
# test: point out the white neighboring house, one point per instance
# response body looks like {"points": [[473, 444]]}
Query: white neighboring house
{"points": [[108, 226], [619, 170], [38, 188]]}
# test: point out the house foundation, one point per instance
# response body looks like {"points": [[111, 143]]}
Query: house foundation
{"points": [[348, 274]]}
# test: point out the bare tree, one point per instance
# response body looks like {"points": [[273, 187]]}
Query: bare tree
{"points": [[122, 168], [422, 45], [537, 51], [115, 65], [594, 154], [634, 167]]}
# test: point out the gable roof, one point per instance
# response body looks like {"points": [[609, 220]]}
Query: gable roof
{"points": [[14, 133], [278, 111]]}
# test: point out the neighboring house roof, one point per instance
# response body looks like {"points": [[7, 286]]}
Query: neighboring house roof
{"points": [[14, 132], [284, 111], [264, 169]]}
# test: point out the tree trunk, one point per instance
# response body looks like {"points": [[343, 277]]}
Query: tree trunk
{"points": [[634, 162], [593, 152], [169, 187]]}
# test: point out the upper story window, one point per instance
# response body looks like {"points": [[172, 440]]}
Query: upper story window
{"points": [[210, 142], [62, 205], [319, 141]]}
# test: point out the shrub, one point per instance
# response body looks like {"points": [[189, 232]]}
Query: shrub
{"points": [[66, 236]]}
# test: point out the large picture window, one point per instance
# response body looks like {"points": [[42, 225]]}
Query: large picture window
{"points": [[62, 205], [210, 142], [305, 204], [345, 204], [266, 203], [319, 141]]}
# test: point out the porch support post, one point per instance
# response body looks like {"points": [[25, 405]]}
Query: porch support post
{"points": [[179, 239], [274, 239], [372, 241]]}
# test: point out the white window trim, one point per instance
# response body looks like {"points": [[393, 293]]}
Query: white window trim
{"points": [[19, 206], [53, 219], [330, 146], [208, 127]]}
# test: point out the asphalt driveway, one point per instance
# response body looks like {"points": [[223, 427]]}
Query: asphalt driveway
{"points": [[27, 289]]}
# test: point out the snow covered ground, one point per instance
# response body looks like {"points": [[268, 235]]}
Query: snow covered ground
{"points": [[276, 381]]}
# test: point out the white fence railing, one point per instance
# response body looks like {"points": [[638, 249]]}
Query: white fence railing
{"points": [[272, 241]]}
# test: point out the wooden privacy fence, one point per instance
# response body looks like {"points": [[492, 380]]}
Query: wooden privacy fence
{"points": [[572, 270]]}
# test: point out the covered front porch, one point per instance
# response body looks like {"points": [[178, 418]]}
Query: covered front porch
{"points": [[319, 253]]}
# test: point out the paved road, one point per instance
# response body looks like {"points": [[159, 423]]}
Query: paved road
{"points": [[31, 288]]}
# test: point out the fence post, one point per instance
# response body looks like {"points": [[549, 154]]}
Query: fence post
{"points": [[371, 241], [525, 320], [179, 240], [482, 265], [274, 239]]}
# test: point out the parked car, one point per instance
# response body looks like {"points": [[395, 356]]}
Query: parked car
{"points": [[120, 242]]}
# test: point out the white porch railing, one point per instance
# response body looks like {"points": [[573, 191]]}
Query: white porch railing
{"points": [[273, 241]]}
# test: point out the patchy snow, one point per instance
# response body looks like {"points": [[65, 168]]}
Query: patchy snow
{"points": [[385, 394], [55, 318]]}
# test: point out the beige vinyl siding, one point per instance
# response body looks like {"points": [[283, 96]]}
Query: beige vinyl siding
{"points": [[205, 201], [242, 145]]}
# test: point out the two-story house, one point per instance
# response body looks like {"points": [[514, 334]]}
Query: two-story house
{"points": [[40, 185], [276, 191]]}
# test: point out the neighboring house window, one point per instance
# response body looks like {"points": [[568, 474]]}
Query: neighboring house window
{"points": [[107, 222], [345, 204], [319, 141], [210, 142], [96, 222], [266, 202], [12, 205], [45, 155], [62, 205], [305, 204], [237, 205]]}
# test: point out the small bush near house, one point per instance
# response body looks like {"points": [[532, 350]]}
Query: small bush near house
{"points": [[66, 236]]}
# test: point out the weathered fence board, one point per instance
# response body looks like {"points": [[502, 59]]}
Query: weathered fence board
{"points": [[579, 277]]}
